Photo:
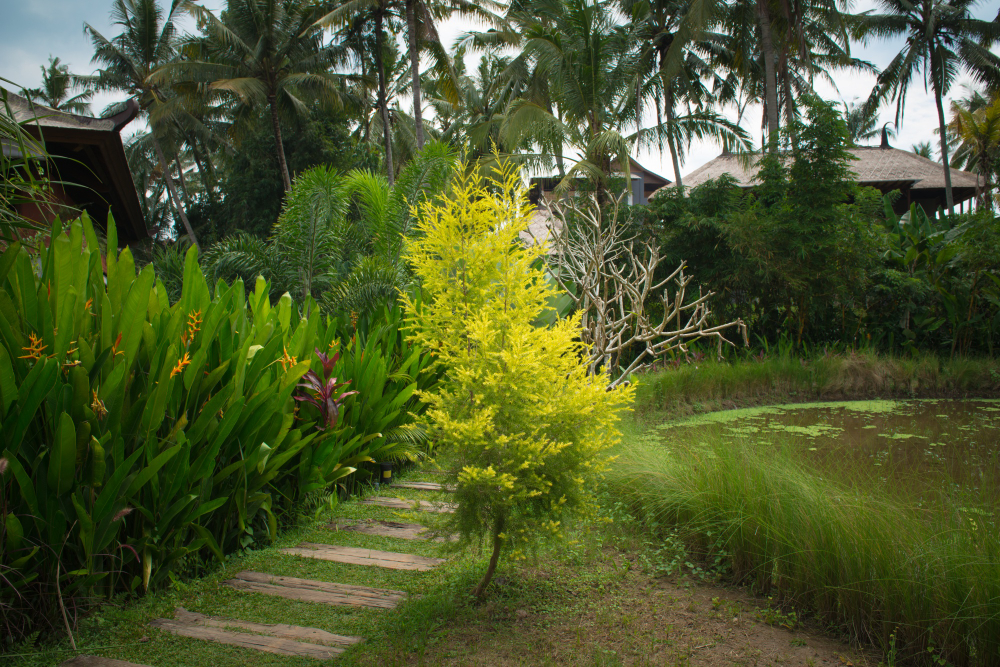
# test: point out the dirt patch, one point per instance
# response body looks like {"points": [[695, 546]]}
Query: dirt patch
{"points": [[620, 616]]}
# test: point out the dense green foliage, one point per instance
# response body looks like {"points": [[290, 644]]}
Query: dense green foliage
{"points": [[810, 256], [141, 437]]}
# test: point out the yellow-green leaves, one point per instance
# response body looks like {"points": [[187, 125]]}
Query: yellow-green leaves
{"points": [[525, 424]]}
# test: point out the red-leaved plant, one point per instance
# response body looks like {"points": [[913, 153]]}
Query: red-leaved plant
{"points": [[324, 388]]}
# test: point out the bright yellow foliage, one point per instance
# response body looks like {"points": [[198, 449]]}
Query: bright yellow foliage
{"points": [[528, 429]]}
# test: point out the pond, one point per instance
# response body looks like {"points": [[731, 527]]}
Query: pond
{"points": [[921, 447]]}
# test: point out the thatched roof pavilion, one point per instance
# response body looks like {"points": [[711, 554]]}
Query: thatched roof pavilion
{"points": [[89, 158], [919, 180]]}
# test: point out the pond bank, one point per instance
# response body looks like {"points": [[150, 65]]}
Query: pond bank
{"points": [[917, 575], [708, 386]]}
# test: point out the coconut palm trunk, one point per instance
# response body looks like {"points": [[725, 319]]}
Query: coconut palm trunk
{"points": [[279, 147], [668, 109], [770, 77], [411, 30], [382, 105], [943, 133], [172, 190]]}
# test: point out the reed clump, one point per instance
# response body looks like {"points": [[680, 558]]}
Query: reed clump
{"points": [[923, 582]]}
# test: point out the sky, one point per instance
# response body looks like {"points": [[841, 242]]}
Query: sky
{"points": [[31, 30]]}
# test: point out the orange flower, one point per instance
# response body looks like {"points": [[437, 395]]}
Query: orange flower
{"points": [[34, 348], [287, 361], [181, 365], [114, 348], [193, 327], [98, 407]]}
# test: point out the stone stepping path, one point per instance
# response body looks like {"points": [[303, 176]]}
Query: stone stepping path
{"points": [[423, 486], [276, 638], [400, 504], [360, 556], [403, 531], [320, 592], [94, 661]]}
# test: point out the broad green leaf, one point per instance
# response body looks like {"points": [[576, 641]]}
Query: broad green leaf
{"points": [[62, 457], [147, 473]]}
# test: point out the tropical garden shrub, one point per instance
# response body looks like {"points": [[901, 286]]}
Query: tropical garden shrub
{"points": [[811, 257], [141, 437], [524, 424]]}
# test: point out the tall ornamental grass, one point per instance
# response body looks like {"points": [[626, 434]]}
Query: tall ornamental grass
{"points": [[924, 581]]}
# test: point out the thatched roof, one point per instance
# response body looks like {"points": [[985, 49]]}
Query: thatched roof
{"points": [[884, 168], [90, 159], [540, 228]]}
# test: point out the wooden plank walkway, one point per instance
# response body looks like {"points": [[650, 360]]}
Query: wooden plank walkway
{"points": [[276, 645], [423, 486], [360, 556], [294, 632], [94, 661], [321, 592], [400, 504], [403, 531]]}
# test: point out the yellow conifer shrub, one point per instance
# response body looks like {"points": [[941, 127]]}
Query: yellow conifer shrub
{"points": [[527, 429]]}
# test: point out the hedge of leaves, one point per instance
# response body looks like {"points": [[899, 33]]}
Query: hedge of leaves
{"points": [[140, 436]]}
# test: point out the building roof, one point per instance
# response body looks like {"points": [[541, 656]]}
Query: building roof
{"points": [[89, 154], [885, 168]]}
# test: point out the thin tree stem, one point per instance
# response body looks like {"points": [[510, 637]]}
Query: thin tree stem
{"points": [[770, 79], [279, 147], [943, 129], [172, 190], [411, 29], [382, 105], [494, 559]]}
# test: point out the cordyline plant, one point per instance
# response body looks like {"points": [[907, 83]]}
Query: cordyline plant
{"points": [[527, 426], [325, 389]]}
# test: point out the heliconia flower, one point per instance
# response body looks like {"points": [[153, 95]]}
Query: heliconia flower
{"points": [[181, 365], [34, 348], [100, 411]]}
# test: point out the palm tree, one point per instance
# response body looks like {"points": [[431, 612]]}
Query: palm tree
{"points": [[359, 17], [266, 53], [942, 39], [656, 24], [129, 61], [978, 130], [923, 149], [57, 85]]}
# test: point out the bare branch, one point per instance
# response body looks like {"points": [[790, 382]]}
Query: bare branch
{"points": [[610, 275]]}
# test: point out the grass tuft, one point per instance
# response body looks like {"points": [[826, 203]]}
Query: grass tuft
{"points": [[925, 583]]}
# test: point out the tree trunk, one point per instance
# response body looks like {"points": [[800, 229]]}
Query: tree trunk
{"points": [[382, 106], [278, 145], [668, 108], [172, 190], [204, 172], [770, 79], [943, 129], [789, 101], [411, 29], [497, 546], [180, 178]]}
